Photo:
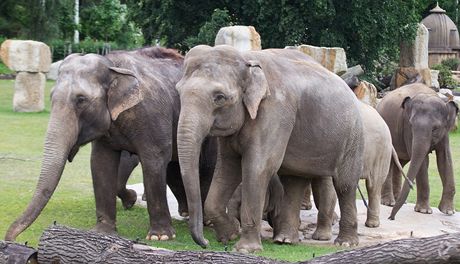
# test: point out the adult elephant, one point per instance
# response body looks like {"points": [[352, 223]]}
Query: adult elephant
{"points": [[124, 101], [419, 123], [272, 112]]}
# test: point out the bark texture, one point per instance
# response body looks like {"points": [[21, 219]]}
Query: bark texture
{"points": [[11, 252], [438, 249], [60, 244]]}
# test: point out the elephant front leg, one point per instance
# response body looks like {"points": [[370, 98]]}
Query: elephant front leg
{"points": [[227, 177], [423, 189], [445, 168], [286, 223], [154, 170], [104, 170]]}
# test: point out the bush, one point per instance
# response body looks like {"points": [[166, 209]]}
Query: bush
{"points": [[445, 76], [451, 63]]}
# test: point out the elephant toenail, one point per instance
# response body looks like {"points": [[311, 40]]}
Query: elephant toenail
{"points": [[164, 237]]}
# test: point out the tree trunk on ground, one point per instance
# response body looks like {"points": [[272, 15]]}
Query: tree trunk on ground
{"points": [[438, 249], [60, 244], [11, 252]]}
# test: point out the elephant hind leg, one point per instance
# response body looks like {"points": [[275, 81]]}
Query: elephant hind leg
{"points": [[373, 209], [174, 181], [325, 200], [286, 224], [127, 164]]}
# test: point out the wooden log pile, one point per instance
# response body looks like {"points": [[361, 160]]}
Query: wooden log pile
{"points": [[60, 244]]}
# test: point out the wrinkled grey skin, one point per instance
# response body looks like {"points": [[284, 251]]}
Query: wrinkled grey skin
{"points": [[273, 201], [123, 101], [419, 123], [254, 102], [128, 162]]}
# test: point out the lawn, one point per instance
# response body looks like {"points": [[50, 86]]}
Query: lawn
{"points": [[22, 136]]}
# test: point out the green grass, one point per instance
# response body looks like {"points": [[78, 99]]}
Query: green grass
{"points": [[4, 69], [22, 137]]}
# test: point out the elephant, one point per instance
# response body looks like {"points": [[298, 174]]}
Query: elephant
{"points": [[124, 101], [271, 112], [419, 122]]}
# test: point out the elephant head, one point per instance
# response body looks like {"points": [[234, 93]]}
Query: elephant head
{"points": [[427, 121], [88, 96], [219, 90]]}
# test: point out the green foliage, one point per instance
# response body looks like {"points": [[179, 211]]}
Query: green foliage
{"points": [[451, 63], [60, 49], [445, 76], [207, 34]]}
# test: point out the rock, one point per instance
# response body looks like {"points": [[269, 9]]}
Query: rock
{"points": [[408, 75], [26, 55], [416, 54], [367, 93], [353, 71], [243, 38], [54, 70], [334, 59], [29, 92], [434, 79]]}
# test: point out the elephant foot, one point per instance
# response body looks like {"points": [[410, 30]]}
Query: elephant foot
{"points": [[446, 208], [226, 228], [250, 245], [161, 234], [183, 210], [388, 200], [372, 222], [347, 240], [423, 208], [335, 218], [286, 236], [322, 234], [128, 198], [106, 228]]}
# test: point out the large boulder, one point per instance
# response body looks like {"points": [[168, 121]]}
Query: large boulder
{"points": [[243, 38], [26, 55], [366, 93], [334, 59], [29, 92]]}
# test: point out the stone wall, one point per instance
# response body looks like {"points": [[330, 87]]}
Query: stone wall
{"points": [[333, 59]]}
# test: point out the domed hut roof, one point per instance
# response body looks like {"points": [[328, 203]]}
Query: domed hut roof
{"points": [[443, 32]]}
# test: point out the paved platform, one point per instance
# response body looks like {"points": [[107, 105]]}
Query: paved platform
{"points": [[407, 223]]}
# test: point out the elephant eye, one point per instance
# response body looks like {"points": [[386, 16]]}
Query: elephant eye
{"points": [[219, 98], [81, 99]]}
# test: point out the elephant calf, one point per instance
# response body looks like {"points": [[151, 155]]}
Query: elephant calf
{"points": [[419, 122]]}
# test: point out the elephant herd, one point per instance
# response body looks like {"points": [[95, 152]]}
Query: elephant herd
{"points": [[221, 119]]}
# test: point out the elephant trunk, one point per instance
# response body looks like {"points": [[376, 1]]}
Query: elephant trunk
{"points": [[56, 150], [420, 148], [191, 131]]}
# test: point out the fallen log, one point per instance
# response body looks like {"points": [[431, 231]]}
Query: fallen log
{"points": [[60, 244], [11, 252], [438, 249]]}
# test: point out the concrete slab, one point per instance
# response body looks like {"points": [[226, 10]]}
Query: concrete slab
{"points": [[407, 223]]}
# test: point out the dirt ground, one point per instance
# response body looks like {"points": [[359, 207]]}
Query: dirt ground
{"points": [[407, 223]]}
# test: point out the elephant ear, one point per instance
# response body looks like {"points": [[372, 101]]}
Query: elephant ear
{"points": [[123, 92], [256, 88], [452, 114], [405, 102]]}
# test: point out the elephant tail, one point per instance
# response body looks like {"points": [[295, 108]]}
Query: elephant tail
{"points": [[395, 160]]}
